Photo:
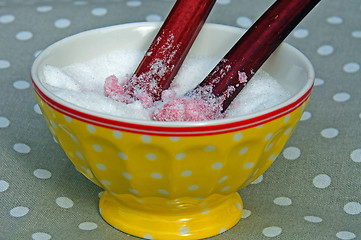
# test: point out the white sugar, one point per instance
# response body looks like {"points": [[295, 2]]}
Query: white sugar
{"points": [[83, 84]]}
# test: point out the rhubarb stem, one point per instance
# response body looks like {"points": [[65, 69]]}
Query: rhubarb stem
{"points": [[239, 65], [168, 50]]}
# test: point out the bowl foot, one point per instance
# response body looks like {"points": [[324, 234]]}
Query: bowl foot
{"points": [[181, 218]]}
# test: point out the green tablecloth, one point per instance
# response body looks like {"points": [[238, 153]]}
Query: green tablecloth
{"points": [[313, 190]]}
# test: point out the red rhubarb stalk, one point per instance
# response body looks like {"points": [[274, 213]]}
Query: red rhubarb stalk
{"points": [[216, 92], [165, 55]]}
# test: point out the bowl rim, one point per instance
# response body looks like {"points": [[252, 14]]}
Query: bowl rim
{"points": [[175, 128]]}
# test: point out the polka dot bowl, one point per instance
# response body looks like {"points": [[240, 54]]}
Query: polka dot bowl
{"points": [[171, 180]]}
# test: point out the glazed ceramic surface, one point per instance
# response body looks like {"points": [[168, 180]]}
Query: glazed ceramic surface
{"points": [[171, 180]]}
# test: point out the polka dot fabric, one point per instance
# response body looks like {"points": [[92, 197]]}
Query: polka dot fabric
{"points": [[313, 189]]}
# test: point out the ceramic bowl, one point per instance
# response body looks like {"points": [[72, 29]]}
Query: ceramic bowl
{"points": [[171, 180]]}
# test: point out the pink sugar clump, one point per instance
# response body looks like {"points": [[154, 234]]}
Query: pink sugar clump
{"points": [[188, 109], [116, 90]]}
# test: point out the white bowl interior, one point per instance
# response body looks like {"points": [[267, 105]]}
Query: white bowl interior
{"points": [[288, 65]]}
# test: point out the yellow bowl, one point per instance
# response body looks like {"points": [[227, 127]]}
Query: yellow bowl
{"points": [[171, 180]]}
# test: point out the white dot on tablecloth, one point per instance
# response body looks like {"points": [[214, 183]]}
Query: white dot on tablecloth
{"points": [[246, 213], [319, 81], [24, 35], [352, 208], [87, 226], [134, 3], [153, 18], [62, 23], [21, 84], [345, 235], [329, 132], [4, 122], [40, 236], [325, 50], [258, 180], [21, 148], [244, 22], [100, 193], [19, 211], [351, 67], [341, 97], [80, 3], [334, 20], [42, 174], [322, 181], [37, 109], [44, 8], [300, 33], [37, 53], [306, 116], [4, 185], [99, 11], [313, 219], [282, 201], [223, 2], [4, 64], [64, 202], [356, 155], [148, 236], [292, 153], [7, 18], [356, 34], [272, 231]]}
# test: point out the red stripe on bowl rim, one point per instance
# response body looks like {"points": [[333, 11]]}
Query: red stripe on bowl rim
{"points": [[155, 128]]}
